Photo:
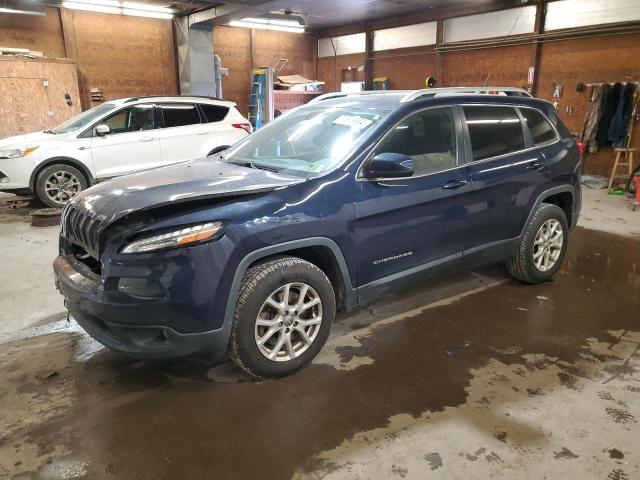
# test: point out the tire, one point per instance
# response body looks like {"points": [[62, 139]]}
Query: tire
{"points": [[523, 266], [74, 182], [266, 281]]}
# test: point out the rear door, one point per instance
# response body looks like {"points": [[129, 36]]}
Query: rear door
{"points": [[183, 135], [409, 222], [506, 171], [228, 125], [131, 146]]}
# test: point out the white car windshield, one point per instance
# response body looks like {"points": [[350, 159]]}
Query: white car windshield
{"points": [[84, 119], [308, 140]]}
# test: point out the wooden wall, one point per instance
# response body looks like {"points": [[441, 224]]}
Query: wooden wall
{"points": [[128, 57], [42, 34], [240, 51], [32, 93], [122, 55]]}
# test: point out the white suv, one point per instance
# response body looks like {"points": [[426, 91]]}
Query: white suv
{"points": [[116, 138]]}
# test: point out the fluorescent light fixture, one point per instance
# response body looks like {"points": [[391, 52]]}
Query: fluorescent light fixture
{"points": [[121, 8], [22, 12], [280, 25], [141, 13]]}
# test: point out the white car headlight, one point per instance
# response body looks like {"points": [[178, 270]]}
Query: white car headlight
{"points": [[177, 238], [16, 152]]}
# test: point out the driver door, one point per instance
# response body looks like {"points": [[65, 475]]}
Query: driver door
{"points": [[131, 146], [407, 225]]}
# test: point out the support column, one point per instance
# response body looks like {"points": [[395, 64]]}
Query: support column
{"points": [[541, 10], [196, 62], [368, 62]]}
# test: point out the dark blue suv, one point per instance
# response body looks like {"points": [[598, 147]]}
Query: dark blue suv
{"points": [[334, 203]]}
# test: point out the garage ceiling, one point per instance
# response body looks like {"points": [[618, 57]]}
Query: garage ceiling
{"points": [[319, 14]]}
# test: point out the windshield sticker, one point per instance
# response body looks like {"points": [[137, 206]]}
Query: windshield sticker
{"points": [[315, 167], [353, 121]]}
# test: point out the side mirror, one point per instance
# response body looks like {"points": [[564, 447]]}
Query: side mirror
{"points": [[102, 130], [389, 165]]}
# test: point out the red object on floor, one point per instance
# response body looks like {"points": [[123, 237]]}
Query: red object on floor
{"points": [[637, 180]]}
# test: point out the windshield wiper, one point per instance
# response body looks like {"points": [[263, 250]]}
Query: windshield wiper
{"points": [[257, 166]]}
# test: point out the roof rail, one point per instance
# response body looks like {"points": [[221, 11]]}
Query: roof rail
{"points": [[327, 96], [435, 92], [135, 99]]}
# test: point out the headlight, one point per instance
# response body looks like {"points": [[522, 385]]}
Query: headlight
{"points": [[177, 238], [16, 152]]}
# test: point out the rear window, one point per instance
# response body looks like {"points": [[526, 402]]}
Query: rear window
{"points": [[541, 130], [493, 131], [213, 113], [179, 114]]}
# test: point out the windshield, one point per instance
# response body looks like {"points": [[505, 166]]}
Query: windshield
{"points": [[84, 119], [306, 140]]}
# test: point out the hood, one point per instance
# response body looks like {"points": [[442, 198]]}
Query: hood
{"points": [[194, 180], [27, 139]]}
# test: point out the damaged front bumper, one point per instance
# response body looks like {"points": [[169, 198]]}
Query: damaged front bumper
{"points": [[107, 317]]}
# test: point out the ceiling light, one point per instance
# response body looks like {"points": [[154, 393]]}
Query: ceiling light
{"points": [[22, 12], [121, 8], [269, 24]]}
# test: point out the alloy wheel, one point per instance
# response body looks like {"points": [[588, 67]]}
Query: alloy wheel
{"points": [[62, 186], [288, 322], [548, 245]]}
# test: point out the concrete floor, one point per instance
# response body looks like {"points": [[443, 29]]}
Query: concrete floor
{"points": [[473, 376]]}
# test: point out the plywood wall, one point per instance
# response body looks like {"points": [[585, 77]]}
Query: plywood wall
{"points": [[42, 34], [121, 55], [32, 93], [240, 53]]}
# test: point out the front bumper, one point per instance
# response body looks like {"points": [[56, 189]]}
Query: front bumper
{"points": [[15, 173], [102, 318]]}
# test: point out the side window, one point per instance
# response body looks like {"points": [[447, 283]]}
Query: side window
{"points": [[428, 137], [132, 119], [541, 130], [179, 114], [494, 131], [213, 113]]}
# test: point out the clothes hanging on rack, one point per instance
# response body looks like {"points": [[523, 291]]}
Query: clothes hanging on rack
{"points": [[611, 95], [590, 126], [620, 120]]}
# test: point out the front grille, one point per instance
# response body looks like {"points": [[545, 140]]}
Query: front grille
{"points": [[81, 228]]}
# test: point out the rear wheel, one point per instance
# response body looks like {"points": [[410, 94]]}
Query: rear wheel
{"points": [[542, 247], [59, 183], [282, 318]]}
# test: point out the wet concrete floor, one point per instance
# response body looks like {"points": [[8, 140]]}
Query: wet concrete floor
{"points": [[475, 376]]}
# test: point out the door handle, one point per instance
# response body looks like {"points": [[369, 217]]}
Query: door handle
{"points": [[146, 139], [452, 184], [536, 166], [201, 132]]}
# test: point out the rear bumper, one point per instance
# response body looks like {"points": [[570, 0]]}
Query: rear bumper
{"points": [[95, 312]]}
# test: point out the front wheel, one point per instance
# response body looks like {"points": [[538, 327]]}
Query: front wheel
{"points": [[282, 318], [542, 247], [59, 183]]}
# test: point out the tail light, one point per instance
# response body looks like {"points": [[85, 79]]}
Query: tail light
{"points": [[581, 148], [244, 126]]}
